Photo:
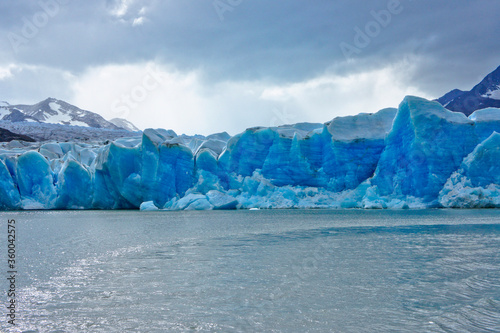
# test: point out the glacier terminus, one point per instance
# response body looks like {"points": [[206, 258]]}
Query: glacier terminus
{"points": [[419, 155]]}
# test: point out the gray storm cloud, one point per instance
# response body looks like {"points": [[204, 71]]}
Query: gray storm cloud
{"points": [[276, 42]]}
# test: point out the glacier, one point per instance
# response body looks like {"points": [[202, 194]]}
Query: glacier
{"points": [[419, 155]]}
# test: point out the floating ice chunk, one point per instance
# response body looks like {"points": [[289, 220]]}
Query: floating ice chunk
{"points": [[148, 206], [221, 200], [187, 200], [200, 204]]}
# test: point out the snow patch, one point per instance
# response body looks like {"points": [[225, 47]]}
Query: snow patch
{"points": [[4, 112], [125, 124], [54, 106], [60, 117], [493, 94], [79, 123]]}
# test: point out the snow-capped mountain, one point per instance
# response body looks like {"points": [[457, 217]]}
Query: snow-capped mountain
{"points": [[125, 124], [483, 95], [54, 111]]}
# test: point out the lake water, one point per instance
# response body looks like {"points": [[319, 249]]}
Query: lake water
{"points": [[255, 271]]}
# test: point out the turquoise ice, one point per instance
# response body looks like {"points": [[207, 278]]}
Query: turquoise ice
{"points": [[419, 155]]}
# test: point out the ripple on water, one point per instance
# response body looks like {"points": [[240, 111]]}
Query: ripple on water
{"points": [[293, 274]]}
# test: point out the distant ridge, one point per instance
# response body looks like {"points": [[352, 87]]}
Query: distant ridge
{"points": [[125, 124], [54, 111], [8, 136], [485, 94]]}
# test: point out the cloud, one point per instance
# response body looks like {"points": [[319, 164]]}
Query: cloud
{"points": [[265, 60], [27, 84], [130, 11], [284, 41], [6, 72], [154, 95], [121, 7], [138, 21]]}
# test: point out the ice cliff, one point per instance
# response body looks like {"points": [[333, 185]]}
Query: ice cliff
{"points": [[419, 155]]}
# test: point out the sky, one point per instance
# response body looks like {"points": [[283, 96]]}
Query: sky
{"points": [[206, 66]]}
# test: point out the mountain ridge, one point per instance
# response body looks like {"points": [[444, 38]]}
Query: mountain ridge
{"points": [[55, 111], [7, 136], [483, 95]]}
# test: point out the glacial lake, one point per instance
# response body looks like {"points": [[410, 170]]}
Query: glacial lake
{"points": [[254, 271]]}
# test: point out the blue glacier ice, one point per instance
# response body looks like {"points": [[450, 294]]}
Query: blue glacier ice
{"points": [[35, 181], [477, 182], [426, 144], [9, 193], [418, 155]]}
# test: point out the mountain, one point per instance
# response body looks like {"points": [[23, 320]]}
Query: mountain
{"points": [[7, 136], [54, 111], [125, 124], [483, 95], [448, 97]]}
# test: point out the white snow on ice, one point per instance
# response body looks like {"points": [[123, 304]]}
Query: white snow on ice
{"points": [[370, 126], [488, 114]]}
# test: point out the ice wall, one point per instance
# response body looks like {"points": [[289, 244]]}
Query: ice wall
{"points": [[477, 183], [419, 155]]}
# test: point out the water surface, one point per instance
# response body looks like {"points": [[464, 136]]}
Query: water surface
{"points": [[256, 271]]}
